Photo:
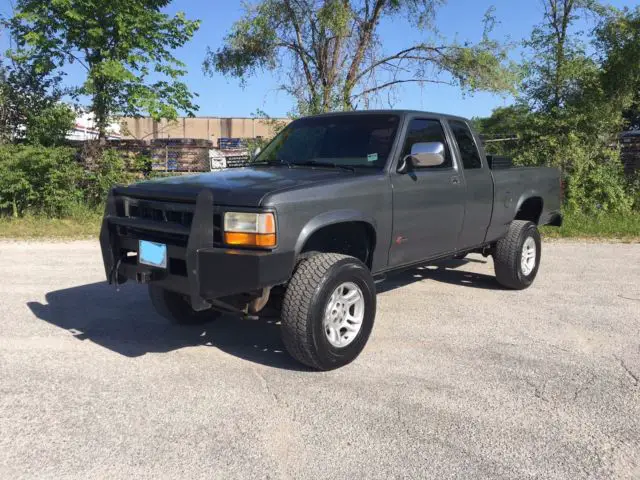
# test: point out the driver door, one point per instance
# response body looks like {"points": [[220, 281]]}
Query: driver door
{"points": [[428, 202]]}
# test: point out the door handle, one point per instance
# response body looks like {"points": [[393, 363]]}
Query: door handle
{"points": [[455, 180]]}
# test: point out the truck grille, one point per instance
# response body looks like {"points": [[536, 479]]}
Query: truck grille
{"points": [[161, 213]]}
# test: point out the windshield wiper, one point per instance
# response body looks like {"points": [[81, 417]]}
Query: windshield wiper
{"points": [[316, 163], [271, 163]]}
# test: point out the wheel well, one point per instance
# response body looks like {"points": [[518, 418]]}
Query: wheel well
{"points": [[356, 239], [531, 209]]}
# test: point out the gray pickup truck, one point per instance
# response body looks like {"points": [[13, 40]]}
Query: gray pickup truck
{"points": [[333, 204]]}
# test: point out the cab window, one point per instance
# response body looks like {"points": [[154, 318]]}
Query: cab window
{"points": [[422, 130]]}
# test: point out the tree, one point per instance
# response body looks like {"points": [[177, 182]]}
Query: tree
{"points": [[30, 107], [505, 129], [565, 117], [558, 60], [618, 41], [334, 58], [123, 45]]}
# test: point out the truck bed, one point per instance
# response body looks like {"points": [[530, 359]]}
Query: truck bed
{"points": [[513, 185]]}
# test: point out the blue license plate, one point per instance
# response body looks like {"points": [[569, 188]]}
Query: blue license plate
{"points": [[152, 254]]}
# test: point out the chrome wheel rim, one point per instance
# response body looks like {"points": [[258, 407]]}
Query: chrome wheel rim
{"points": [[528, 258], [343, 315]]}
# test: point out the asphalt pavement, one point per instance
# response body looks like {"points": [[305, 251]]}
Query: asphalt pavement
{"points": [[460, 379]]}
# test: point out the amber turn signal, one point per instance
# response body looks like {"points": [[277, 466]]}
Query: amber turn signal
{"points": [[250, 239]]}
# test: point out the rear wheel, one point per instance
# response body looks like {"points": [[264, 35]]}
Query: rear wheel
{"points": [[177, 308], [328, 310], [517, 255]]}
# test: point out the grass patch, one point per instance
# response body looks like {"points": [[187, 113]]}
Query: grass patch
{"points": [[30, 227], [605, 226], [86, 224]]}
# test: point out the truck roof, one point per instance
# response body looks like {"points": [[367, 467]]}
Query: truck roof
{"points": [[401, 112]]}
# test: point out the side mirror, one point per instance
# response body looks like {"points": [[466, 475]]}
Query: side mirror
{"points": [[256, 152], [427, 154]]}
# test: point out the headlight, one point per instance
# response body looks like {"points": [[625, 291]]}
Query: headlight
{"points": [[250, 229]]}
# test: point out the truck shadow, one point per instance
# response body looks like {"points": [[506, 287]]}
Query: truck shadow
{"points": [[448, 271], [126, 323]]}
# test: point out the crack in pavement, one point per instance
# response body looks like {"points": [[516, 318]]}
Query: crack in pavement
{"points": [[636, 380], [583, 387], [537, 391], [267, 389]]}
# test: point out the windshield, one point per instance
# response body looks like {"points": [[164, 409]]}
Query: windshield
{"points": [[337, 140]]}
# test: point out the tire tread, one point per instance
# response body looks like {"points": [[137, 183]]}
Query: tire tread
{"points": [[507, 255], [307, 277]]}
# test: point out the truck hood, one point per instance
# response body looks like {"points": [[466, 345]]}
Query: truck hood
{"points": [[233, 187]]}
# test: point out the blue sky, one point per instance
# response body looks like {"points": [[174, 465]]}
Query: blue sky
{"points": [[460, 19]]}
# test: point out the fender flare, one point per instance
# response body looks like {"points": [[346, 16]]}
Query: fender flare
{"points": [[330, 218]]}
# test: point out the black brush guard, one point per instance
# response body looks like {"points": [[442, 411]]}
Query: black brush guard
{"points": [[208, 271]]}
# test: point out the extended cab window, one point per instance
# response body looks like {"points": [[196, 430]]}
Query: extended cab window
{"points": [[466, 144], [424, 131]]}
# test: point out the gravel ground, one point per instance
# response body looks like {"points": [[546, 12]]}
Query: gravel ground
{"points": [[460, 379]]}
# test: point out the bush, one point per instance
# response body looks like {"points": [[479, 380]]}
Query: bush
{"points": [[592, 170], [110, 170], [39, 180], [599, 186], [52, 182], [50, 126]]}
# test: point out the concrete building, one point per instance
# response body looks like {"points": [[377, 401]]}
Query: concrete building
{"points": [[85, 129], [206, 128]]}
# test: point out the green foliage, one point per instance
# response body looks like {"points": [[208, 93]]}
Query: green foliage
{"points": [[593, 172], [588, 159], [52, 182], [331, 57], [81, 223], [597, 184], [618, 43], [577, 224], [30, 108], [39, 180], [124, 46], [110, 170], [50, 126], [567, 115]]}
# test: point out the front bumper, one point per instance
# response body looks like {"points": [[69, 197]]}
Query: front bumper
{"points": [[200, 269]]}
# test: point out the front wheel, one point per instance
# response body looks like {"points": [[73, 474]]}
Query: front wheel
{"points": [[328, 310], [517, 256]]}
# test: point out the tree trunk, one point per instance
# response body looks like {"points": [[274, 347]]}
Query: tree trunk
{"points": [[100, 109], [100, 115]]}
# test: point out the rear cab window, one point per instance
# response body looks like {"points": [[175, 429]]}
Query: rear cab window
{"points": [[466, 144]]}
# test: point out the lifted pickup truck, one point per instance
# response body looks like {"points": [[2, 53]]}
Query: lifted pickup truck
{"points": [[331, 205]]}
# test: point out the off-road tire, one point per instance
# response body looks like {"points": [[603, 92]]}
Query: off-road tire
{"points": [[508, 255], [303, 306], [176, 307]]}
